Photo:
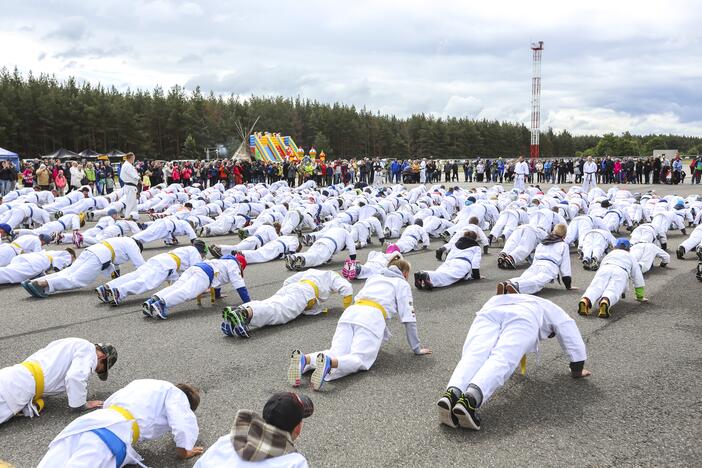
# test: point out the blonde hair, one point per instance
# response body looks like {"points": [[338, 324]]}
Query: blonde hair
{"points": [[560, 230], [401, 264]]}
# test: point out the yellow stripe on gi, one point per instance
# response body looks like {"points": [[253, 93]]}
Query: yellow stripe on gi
{"points": [[110, 248], [129, 417], [312, 302], [369, 303], [38, 374]]}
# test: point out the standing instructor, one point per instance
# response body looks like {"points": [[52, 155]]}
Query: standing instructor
{"points": [[130, 178]]}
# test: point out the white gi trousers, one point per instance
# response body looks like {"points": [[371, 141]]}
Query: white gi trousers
{"points": [[493, 348], [191, 284], [589, 182], [372, 266], [519, 180], [406, 244], [84, 450], [393, 226], [521, 244], [266, 253], [250, 243], [222, 226], [81, 273], [130, 199], [147, 277], [577, 228], [317, 254], [449, 272], [695, 238], [295, 221], [285, 305], [536, 277], [157, 230], [18, 271], [505, 225], [5, 412], [594, 246], [7, 253], [610, 282]]}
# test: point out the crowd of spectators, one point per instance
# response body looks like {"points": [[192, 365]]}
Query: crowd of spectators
{"points": [[64, 176]]}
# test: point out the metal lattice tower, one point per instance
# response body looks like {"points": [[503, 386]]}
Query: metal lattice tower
{"points": [[537, 47]]}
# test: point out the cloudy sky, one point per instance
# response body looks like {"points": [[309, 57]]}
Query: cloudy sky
{"points": [[608, 66]]}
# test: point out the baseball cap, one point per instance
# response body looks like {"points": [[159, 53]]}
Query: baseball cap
{"points": [[285, 410], [111, 353]]}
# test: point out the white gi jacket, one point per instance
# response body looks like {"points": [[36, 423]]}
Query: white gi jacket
{"points": [[222, 455], [327, 282]]}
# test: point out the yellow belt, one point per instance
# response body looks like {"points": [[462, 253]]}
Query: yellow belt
{"points": [[176, 259], [522, 365], [312, 302], [38, 374], [110, 248], [369, 303], [51, 260], [129, 417], [17, 246]]}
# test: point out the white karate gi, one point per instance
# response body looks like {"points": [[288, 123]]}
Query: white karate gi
{"points": [[521, 171], [460, 232], [224, 224], [644, 233], [550, 260], [272, 250], [589, 176], [221, 454], [375, 263], [615, 217], [581, 225], [667, 220], [362, 231], [155, 272], [263, 235], [130, 178], [508, 221], [612, 278], [645, 253], [298, 296], [458, 266], [166, 229], [21, 245], [436, 226], [695, 239], [66, 222], [29, 265], [394, 223], [94, 260], [522, 242], [333, 241], [546, 219], [158, 407], [28, 213], [297, 220], [362, 328], [595, 243], [66, 365], [86, 204], [194, 281], [411, 238], [506, 328]]}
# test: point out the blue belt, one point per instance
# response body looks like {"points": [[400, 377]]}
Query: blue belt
{"points": [[413, 237], [31, 212], [174, 226], [114, 443], [100, 227], [209, 271], [62, 224], [465, 259], [260, 239], [336, 247], [285, 247], [121, 231]]}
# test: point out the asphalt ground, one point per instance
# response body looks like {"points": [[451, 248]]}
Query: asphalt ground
{"points": [[642, 405]]}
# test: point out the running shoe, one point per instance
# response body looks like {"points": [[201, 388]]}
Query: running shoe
{"points": [[238, 320], [465, 412], [296, 367], [102, 294], [445, 404], [323, 363]]}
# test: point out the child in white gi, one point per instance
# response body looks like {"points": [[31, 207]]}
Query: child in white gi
{"points": [[21, 245], [333, 241], [31, 265], [63, 366], [462, 263], [143, 410], [263, 441], [302, 293], [519, 246], [297, 220], [362, 329], [414, 237], [505, 329], [611, 281], [167, 229], [198, 279], [153, 273], [375, 263], [551, 260], [694, 242], [646, 252], [277, 248], [595, 243], [104, 257], [263, 235]]}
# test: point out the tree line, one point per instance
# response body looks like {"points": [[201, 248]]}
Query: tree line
{"points": [[39, 114]]}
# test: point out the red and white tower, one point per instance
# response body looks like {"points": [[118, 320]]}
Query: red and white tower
{"points": [[537, 47]]}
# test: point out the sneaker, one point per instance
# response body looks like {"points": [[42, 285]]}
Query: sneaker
{"points": [[509, 263], [680, 253], [427, 281], [323, 368], [464, 410], [490, 239], [242, 234], [446, 236], [440, 253], [238, 319], [500, 288], [146, 307], [501, 263], [419, 280], [289, 259], [699, 271], [299, 262], [216, 251], [348, 266], [102, 294], [698, 251], [584, 307], [353, 271], [158, 308], [297, 365], [445, 404], [115, 298], [604, 309], [77, 239], [511, 288]]}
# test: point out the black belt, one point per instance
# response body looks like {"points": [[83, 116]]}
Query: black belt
{"points": [[130, 184]]}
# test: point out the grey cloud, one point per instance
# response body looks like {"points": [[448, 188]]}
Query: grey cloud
{"points": [[189, 59], [70, 29], [93, 52]]}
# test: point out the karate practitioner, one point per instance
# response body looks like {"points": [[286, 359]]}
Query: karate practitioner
{"points": [[589, 175], [63, 366], [462, 263], [521, 172], [519, 246], [223, 225], [504, 330], [334, 240], [595, 244], [263, 441], [157, 270], [104, 257], [143, 410], [297, 220], [277, 248], [507, 222], [167, 229], [130, 178], [263, 235], [414, 237], [551, 261], [581, 225], [21, 245], [375, 263], [27, 213], [362, 329], [197, 280], [646, 253], [30, 265], [302, 293], [611, 281], [693, 242]]}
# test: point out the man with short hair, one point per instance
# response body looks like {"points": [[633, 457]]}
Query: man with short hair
{"points": [[130, 180], [63, 366], [265, 440]]}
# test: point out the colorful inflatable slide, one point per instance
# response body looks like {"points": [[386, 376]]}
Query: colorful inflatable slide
{"points": [[271, 146]]}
